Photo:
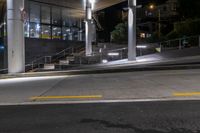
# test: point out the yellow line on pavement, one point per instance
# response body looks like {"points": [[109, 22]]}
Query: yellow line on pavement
{"points": [[66, 97], [185, 94]]}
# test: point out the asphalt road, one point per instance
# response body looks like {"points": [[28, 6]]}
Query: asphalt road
{"points": [[141, 117], [171, 84]]}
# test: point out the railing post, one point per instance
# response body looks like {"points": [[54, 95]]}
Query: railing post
{"points": [[180, 44], [50, 59], [160, 47], [45, 60], [169, 43], [121, 54], [64, 53], [199, 40], [80, 60], [101, 57], [32, 65], [73, 50], [140, 52]]}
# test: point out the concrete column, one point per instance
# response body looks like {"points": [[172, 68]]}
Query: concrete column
{"points": [[15, 29], [88, 29], [132, 30]]}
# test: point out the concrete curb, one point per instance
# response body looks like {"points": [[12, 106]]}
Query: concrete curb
{"points": [[101, 71], [101, 101]]}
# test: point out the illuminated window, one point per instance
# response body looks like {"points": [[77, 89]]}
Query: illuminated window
{"points": [[74, 31], [34, 12], [56, 16], [26, 29], [142, 35], [56, 33], [45, 12], [46, 32], [66, 33], [34, 30]]}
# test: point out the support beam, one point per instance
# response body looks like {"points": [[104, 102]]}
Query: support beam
{"points": [[132, 30], [88, 29], [15, 33]]}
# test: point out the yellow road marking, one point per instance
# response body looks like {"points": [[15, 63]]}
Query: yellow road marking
{"points": [[185, 94], [66, 97]]}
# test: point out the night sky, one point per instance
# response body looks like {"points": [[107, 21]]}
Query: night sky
{"points": [[150, 1], [110, 20]]}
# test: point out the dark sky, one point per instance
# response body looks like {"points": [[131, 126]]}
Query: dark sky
{"points": [[149, 1]]}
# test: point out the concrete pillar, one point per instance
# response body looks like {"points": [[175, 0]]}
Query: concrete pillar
{"points": [[132, 30], [94, 34], [15, 29], [88, 29]]}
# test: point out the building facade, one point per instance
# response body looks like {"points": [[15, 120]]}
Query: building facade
{"points": [[48, 21]]}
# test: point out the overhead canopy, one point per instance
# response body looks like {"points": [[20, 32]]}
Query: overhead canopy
{"points": [[2, 10], [76, 7], [79, 4]]}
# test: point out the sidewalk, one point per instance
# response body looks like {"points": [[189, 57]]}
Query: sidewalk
{"points": [[119, 66]]}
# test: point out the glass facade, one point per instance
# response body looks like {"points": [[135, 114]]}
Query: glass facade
{"points": [[33, 29], [52, 22], [45, 14], [45, 32]]}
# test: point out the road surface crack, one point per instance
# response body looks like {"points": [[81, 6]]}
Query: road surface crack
{"points": [[108, 124]]}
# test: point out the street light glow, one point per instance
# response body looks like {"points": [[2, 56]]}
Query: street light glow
{"points": [[151, 6], [92, 2]]}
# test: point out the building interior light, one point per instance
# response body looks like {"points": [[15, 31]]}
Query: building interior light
{"points": [[104, 61], [37, 27], [68, 30], [142, 46], [2, 47], [113, 54]]}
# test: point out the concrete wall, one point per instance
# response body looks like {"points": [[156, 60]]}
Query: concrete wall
{"points": [[35, 48], [40, 47]]}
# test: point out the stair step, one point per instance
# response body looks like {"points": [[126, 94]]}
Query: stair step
{"points": [[70, 58], [49, 66], [64, 62]]}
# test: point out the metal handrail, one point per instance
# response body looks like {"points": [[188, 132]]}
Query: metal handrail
{"points": [[6, 69], [3, 70], [58, 55], [181, 38], [62, 51]]}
